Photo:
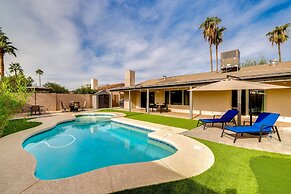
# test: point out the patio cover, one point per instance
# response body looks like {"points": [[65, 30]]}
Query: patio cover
{"points": [[239, 85]]}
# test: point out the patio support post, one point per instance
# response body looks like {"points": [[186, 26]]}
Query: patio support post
{"points": [[239, 107], [110, 100], [247, 102], [129, 101], [148, 101], [191, 104]]}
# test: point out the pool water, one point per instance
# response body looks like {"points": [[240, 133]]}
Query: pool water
{"points": [[91, 142]]}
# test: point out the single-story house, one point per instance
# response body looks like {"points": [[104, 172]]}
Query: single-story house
{"points": [[174, 91]]}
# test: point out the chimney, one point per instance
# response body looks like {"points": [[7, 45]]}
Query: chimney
{"points": [[94, 84], [129, 78]]}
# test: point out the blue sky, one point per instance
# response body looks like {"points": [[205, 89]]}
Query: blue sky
{"points": [[76, 40]]}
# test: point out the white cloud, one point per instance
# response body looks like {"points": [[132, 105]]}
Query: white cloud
{"points": [[74, 41]]}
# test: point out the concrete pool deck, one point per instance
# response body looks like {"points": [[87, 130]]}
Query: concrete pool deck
{"points": [[18, 166]]}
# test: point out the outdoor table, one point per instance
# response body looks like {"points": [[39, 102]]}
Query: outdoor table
{"points": [[74, 106], [34, 109]]}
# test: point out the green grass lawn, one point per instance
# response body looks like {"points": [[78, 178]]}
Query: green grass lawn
{"points": [[273, 174], [236, 170], [159, 119], [18, 125]]}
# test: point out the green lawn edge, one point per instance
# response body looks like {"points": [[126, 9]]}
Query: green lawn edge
{"points": [[158, 119], [16, 125]]}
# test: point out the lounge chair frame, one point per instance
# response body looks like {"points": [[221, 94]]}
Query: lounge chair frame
{"points": [[274, 129], [223, 123]]}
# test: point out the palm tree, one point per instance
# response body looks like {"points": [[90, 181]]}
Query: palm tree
{"points": [[39, 72], [278, 36], [15, 68], [217, 41], [29, 81], [209, 26], [5, 48]]}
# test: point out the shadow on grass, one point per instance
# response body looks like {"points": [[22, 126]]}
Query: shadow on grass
{"points": [[182, 186]]}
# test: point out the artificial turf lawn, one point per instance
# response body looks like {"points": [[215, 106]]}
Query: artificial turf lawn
{"points": [[273, 174], [232, 173], [17, 125], [159, 119], [236, 170]]}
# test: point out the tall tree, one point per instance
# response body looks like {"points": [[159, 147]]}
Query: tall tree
{"points": [[15, 68], [30, 81], [278, 36], [5, 48], [217, 41], [39, 72], [209, 26]]}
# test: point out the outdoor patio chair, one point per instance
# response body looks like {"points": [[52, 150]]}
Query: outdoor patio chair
{"points": [[84, 106], [63, 107], [264, 124], [164, 108], [226, 118]]}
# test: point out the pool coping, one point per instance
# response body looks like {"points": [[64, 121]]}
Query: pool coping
{"points": [[192, 158]]}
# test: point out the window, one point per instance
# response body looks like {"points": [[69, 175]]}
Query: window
{"points": [[256, 102], [176, 97], [186, 97], [166, 97]]}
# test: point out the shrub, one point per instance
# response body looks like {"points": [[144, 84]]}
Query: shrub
{"points": [[13, 96], [84, 90]]}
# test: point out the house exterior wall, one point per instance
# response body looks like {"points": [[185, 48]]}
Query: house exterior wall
{"points": [[279, 101], [134, 99], [211, 102], [218, 102], [160, 97], [116, 97], [137, 99], [126, 100]]}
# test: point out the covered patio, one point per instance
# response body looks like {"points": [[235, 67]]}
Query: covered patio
{"points": [[182, 101]]}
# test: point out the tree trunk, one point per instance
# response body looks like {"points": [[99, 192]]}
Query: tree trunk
{"points": [[39, 80], [279, 53], [211, 65], [2, 65], [216, 47]]}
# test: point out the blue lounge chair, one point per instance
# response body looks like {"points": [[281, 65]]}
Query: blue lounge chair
{"points": [[226, 118], [264, 124]]}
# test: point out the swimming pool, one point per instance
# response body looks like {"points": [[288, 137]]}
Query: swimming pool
{"points": [[91, 142]]}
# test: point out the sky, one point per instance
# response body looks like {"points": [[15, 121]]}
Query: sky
{"points": [[73, 41]]}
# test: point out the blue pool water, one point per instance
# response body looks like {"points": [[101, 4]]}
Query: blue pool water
{"points": [[91, 142]]}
